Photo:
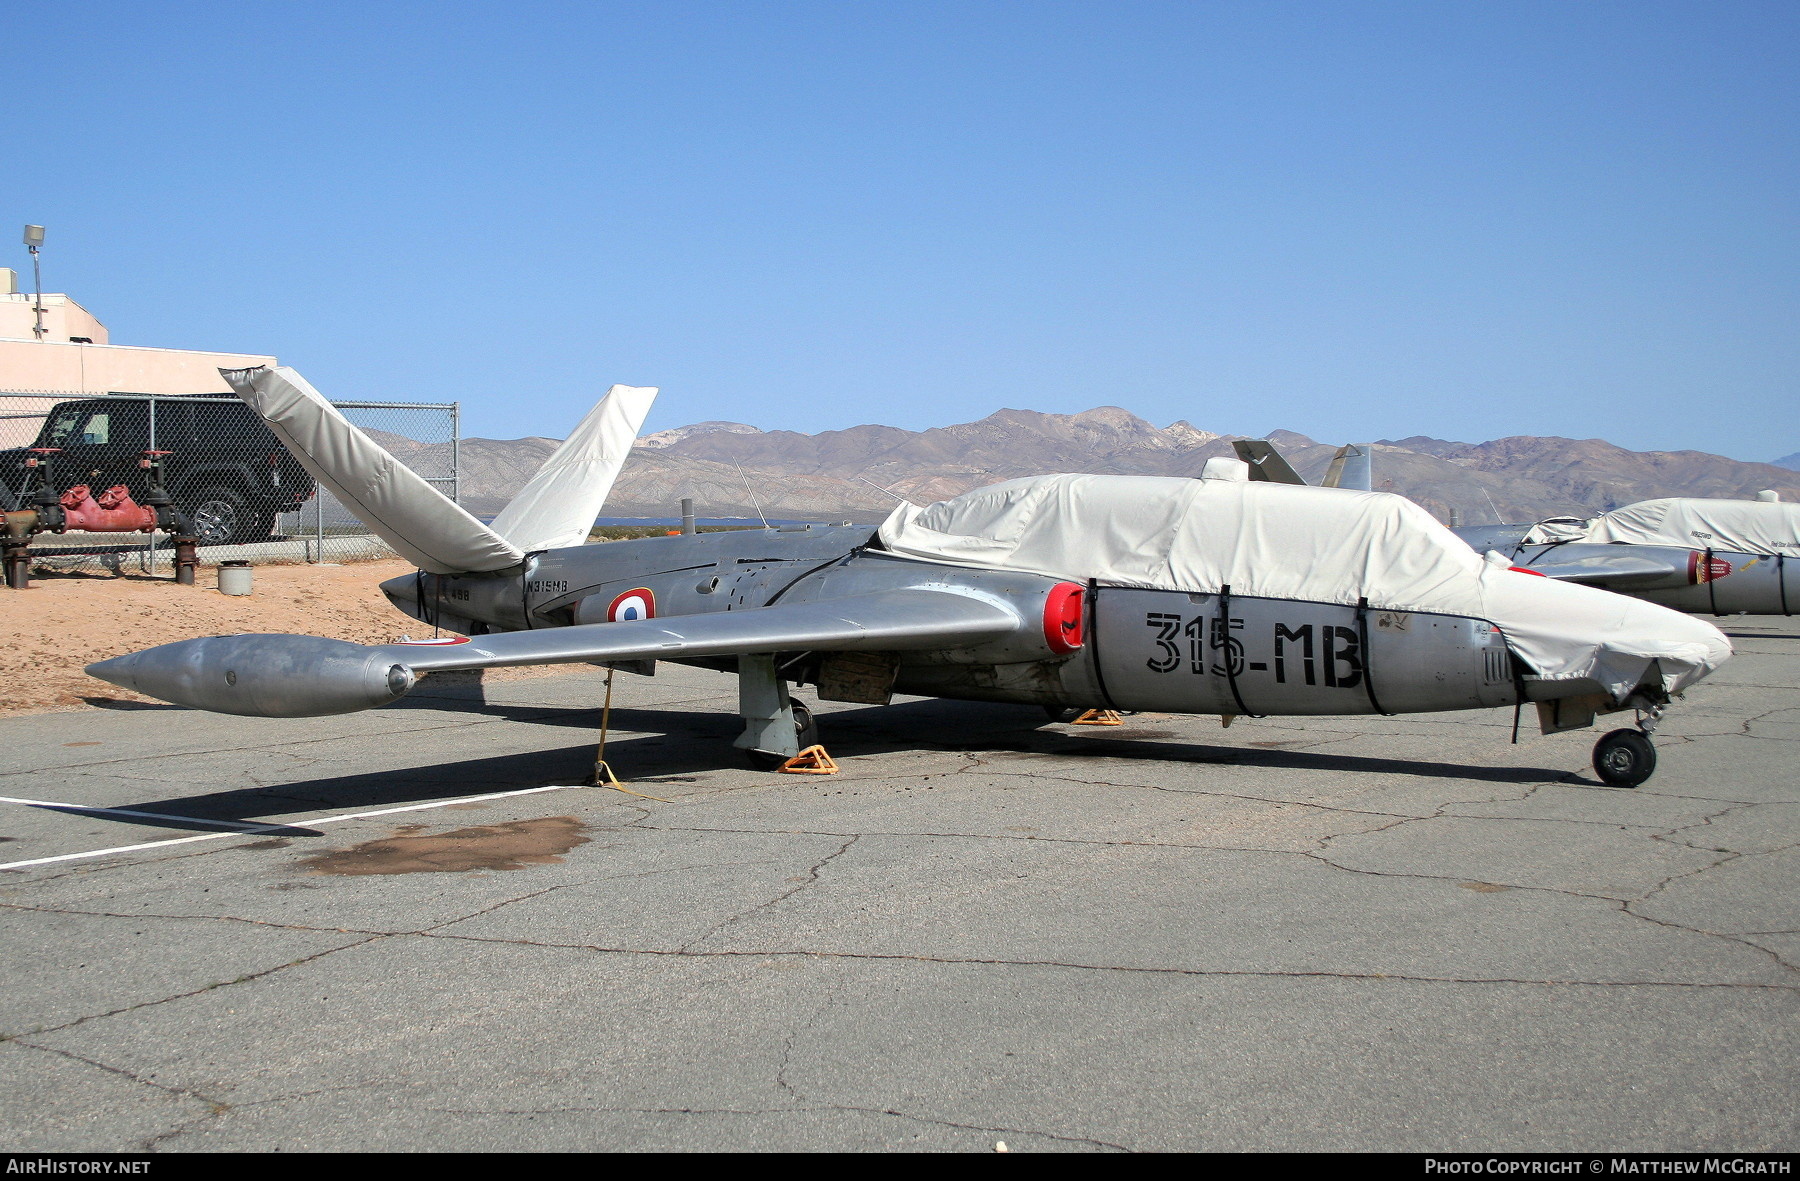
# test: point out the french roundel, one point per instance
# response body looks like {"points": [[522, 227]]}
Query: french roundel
{"points": [[637, 603]]}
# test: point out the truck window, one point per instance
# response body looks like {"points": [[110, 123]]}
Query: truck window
{"points": [[62, 427], [99, 426]]}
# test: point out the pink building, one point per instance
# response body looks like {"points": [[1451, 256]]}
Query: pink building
{"points": [[76, 357]]}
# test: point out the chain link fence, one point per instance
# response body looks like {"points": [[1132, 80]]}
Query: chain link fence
{"points": [[247, 496]]}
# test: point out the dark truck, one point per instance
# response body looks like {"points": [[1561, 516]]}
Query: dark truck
{"points": [[225, 469]]}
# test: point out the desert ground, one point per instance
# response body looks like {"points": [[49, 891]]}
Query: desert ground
{"points": [[65, 622]]}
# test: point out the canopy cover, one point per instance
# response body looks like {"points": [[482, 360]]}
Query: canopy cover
{"points": [[1738, 526], [1557, 529], [1293, 542]]}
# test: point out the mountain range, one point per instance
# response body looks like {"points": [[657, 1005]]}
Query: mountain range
{"points": [[732, 469]]}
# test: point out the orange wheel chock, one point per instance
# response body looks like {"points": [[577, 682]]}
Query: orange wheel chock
{"points": [[1099, 717], [811, 761]]}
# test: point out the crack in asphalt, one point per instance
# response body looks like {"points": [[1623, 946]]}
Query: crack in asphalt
{"points": [[214, 1107], [248, 977], [1135, 969], [1706, 822], [244, 979], [218, 918], [1317, 855], [826, 1000], [154, 1143], [812, 879]]}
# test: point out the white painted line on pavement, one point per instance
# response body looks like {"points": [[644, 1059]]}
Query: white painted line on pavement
{"points": [[253, 829], [55, 805]]}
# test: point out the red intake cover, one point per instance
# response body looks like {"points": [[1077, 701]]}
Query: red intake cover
{"points": [[1062, 616], [1702, 571]]}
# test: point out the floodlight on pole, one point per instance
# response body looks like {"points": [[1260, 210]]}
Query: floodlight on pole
{"points": [[34, 238]]}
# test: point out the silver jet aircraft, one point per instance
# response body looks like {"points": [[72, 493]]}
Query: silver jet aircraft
{"points": [[1725, 557], [1218, 595]]}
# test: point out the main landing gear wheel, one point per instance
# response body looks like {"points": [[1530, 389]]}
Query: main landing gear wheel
{"points": [[1624, 758], [806, 732]]}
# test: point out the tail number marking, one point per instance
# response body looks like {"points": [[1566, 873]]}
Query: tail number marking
{"points": [[1306, 652], [1168, 656]]}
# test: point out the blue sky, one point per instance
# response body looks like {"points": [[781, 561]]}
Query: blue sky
{"points": [[1354, 220]]}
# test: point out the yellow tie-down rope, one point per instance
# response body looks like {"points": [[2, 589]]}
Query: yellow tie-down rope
{"points": [[603, 774]]}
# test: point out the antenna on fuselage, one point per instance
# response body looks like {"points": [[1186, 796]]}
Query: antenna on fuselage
{"points": [[753, 501], [889, 491]]}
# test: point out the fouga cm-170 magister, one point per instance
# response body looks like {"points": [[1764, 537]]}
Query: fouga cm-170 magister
{"points": [[1207, 596]]}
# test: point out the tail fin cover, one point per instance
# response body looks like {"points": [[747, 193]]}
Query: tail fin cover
{"points": [[1350, 468], [557, 508], [423, 525], [1265, 462]]}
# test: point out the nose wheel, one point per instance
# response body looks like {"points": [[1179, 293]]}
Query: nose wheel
{"points": [[1624, 758]]}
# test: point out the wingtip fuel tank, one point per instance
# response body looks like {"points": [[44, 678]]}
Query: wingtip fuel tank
{"points": [[272, 676]]}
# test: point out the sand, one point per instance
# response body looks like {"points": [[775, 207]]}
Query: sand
{"points": [[50, 632]]}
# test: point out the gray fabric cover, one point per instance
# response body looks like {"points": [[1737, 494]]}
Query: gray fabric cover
{"points": [[558, 506], [423, 525], [1292, 542]]}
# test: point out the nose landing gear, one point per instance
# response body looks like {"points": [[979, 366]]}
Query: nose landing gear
{"points": [[1625, 758]]}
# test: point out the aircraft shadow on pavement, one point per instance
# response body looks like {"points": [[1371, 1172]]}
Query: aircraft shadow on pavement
{"points": [[660, 745], [176, 821], [121, 703]]}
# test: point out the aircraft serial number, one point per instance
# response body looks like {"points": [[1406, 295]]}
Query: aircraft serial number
{"points": [[546, 586], [1315, 653]]}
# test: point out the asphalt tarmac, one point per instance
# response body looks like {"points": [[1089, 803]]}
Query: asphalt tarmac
{"points": [[1364, 934]]}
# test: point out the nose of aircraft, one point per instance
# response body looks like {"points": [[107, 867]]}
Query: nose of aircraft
{"points": [[403, 588], [1686, 638], [1570, 632]]}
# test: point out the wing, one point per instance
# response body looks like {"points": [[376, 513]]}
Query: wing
{"points": [[890, 621], [1619, 567], [310, 676]]}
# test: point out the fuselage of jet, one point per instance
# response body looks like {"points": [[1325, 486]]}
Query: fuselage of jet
{"points": [[1698, 581], [1080, 645]]}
